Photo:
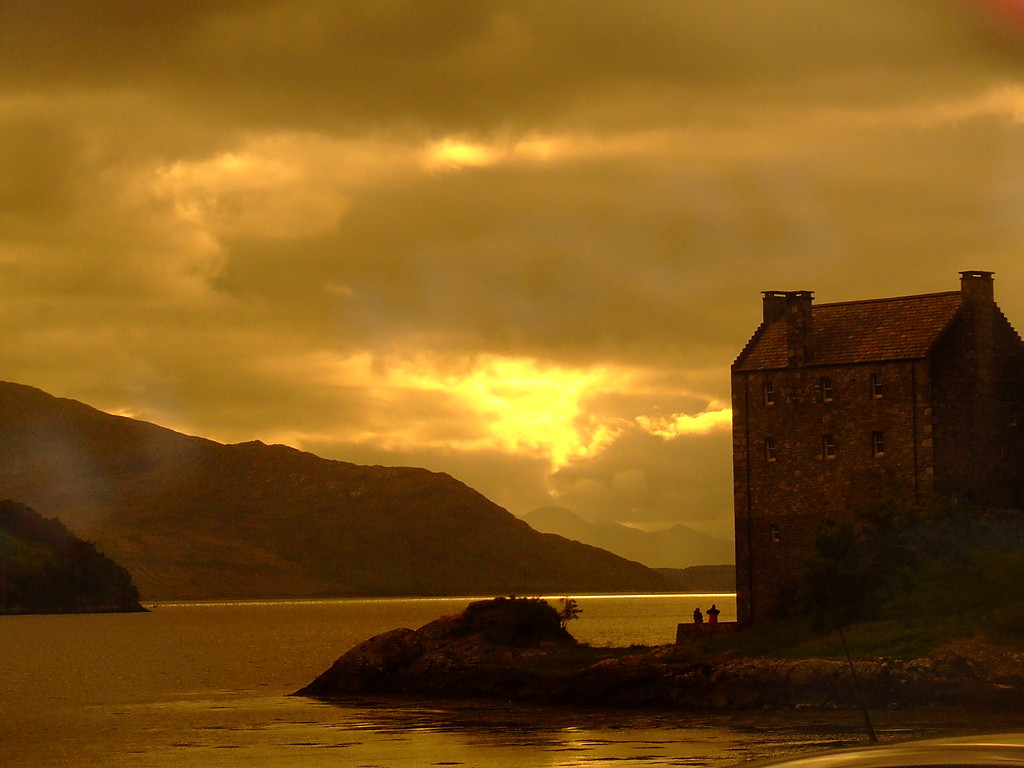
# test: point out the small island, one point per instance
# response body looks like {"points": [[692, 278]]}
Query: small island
{"points": [[44, 568], [517, 649]]}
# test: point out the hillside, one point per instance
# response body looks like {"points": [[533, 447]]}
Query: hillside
{"points": [[675, 547], [192, 518], [44, 568]]}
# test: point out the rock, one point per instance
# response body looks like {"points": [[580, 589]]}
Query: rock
{"points": [[373, 666], [472, 653]]}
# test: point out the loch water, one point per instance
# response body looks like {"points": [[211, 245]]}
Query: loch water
{"points": [[209, 684]]}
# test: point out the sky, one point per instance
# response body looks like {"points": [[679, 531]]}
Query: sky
{"points": [[517, 241]]}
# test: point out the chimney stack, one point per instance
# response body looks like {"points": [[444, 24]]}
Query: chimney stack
{"points": [[774, 303], [798, 327], [794, 308], [976, 287]]}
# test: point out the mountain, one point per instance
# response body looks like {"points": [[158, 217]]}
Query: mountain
{"points": [[192, 518], [675, 547], [44, 568]]}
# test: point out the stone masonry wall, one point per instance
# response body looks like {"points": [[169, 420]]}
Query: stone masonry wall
{"points": [[979, 404], [783, 500]]}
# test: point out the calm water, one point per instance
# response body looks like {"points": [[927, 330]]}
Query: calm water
{"points": [[207, 684]]}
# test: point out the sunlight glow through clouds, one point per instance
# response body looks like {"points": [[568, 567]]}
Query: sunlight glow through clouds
{"points": [[453, 153], [520, 406], [511, 405], [532, 408], [717, 416]]}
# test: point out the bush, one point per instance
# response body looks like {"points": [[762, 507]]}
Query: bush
{"points": [[896, 560], [515, 621]]}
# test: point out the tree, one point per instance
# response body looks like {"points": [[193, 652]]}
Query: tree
{"points": [[858, 564], [570, 610]]}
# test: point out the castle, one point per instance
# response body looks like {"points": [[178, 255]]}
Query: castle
{"points": [[836, 405]]}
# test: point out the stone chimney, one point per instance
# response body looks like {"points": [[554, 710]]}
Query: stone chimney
{"points": [[774, 306], [976, 287], [979, 310], [794, 307], [979, 307], [799, 333]]}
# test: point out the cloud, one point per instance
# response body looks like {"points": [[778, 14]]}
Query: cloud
{"points": [[486, 404], [276, 186], [717, 417], [520, 242]]}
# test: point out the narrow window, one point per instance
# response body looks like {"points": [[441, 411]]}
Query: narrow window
{"points": [[877, 388], [828, 446], [769, 449], [877, 443], [826, 389], [769, 393], [775, 532]]}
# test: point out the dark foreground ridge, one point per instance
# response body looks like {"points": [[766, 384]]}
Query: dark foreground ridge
{"points": [[44, 568], [515, 649]]}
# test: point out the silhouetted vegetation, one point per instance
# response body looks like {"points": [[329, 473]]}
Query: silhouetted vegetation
{"points": [[866, 568], [569, 611], [44, 568], [901, 580], [859, 564], [515, 621]]}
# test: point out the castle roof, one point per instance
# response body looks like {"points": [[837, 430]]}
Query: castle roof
{"points": [[875, 330]]}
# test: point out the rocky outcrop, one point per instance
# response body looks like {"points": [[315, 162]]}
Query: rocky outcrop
{"points": [[485, 651], [449, 658]]}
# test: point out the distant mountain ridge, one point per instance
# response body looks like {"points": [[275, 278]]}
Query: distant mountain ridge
{"points": [[677, 547], [192, 518]]}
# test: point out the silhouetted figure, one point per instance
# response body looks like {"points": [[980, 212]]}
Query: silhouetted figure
{"points": [[698, 617], [713, 614]]}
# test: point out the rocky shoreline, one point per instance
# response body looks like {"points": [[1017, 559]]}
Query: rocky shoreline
{"points": [[453, 657]]}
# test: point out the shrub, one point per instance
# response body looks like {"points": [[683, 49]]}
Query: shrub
{"points": [[515, 621]]}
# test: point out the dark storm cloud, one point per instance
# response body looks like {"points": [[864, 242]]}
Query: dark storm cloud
{"points": [[468, 65]]}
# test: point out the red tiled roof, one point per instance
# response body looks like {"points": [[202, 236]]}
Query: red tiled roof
{"points": [[902, 328]]}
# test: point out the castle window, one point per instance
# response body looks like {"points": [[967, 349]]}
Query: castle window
{"points": [[828, 446], [775, 532], [769, 393], [877, 443], [769, 449], [825, 384], [877, 387]]}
